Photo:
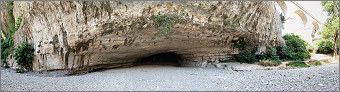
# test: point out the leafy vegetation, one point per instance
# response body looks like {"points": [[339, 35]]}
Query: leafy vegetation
{"points": [[324, 46], [232, 25], [246, 57], [331, 27], [297, 64], [19, 70], [271, 53], [296, 48], [239, 43], [7, 43], [227, 61], [24, 54], [165, 21], [6, 49], [283, 20], [317, 63]]}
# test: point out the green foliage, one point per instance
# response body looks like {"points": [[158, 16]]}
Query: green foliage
{"points": [[10, 12], [210, 61], [164, 21], [331, 26], [6, 66], [282, 18], [271, 53], [232, 25], [297, 64], [183, 9], [7, 44], [324, 46], [227, 61], [261, 56], [332, 7], [284, 52], [19, 70], [24, 54], [239, 43], [246, 57], [317, 63], [6, 48], [296, 48]]}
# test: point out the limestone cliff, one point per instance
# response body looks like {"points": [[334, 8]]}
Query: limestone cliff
{"points": [[82, 36]]}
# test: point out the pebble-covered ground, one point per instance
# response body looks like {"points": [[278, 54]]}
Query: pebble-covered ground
{"points": [[170, 78]]}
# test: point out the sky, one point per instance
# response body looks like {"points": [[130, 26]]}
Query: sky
{"points": [[315, 8]]}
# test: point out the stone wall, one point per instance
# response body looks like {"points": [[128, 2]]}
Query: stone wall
{"points": [[82, 36]]}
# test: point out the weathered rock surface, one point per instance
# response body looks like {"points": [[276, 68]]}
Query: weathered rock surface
{"points": [[82, 36]]}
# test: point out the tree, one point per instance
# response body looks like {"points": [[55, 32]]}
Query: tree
{"points": [[331, 27]]}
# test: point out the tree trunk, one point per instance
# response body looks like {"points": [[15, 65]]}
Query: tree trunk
{"points": [[335, 51]]}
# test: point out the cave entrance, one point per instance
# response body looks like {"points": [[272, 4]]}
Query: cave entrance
{"points": [[168, 59]]}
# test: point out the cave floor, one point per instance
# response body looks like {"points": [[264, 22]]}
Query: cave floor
{"points": [[171, 78]]}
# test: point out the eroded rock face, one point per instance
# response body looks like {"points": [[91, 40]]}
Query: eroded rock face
{"points": [[82, 36]]}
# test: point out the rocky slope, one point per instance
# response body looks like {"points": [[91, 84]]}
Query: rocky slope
{"points": [[82, 36]]}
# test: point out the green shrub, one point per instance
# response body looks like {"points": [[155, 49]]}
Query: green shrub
{"points": [[24, 54], [6, 48], [246, 57], [324, 46], [227, 61], [296, 48], [297, 64], [6, 66], [284, 52], [261, 56], [19, 70], [239, 43], [317, 63], [271, 53], [270, 62]]}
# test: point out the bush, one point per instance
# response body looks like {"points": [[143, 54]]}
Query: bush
{"points": [[246, 57], [296, 48], [24, 55], [324, 46], [317, 63], [261, 56], [271, 53], [6, 48], [270, 62], [19, 70], [284, 52], [297, 64], [226, 61]]}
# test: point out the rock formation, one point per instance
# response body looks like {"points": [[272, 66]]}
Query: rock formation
{"points": [[82, 36]]}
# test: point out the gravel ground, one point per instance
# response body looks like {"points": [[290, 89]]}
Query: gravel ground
{"points": [[170, 78]]}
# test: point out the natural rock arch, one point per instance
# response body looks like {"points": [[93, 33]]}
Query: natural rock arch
{"points": [[72, 37], [167, 58]]}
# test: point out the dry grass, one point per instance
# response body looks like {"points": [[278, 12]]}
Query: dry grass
{"points": [[269, 62]]}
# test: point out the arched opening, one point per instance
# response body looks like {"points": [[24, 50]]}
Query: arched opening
{"points": [[316, 25], [302, 16], [168, 58]]}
